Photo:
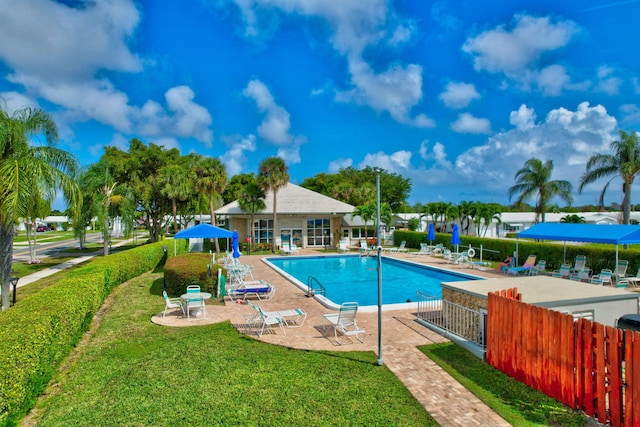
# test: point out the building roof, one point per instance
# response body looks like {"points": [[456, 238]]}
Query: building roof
{"points": [[544, 291], [293, 199]]}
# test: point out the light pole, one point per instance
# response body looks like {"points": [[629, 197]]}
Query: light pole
{"points": [[14, 283], [380, 362]]}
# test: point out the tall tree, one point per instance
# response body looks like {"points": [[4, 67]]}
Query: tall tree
{"points": [[367, 213], [251, 199], [211, 179], [176, 182], [534, 180], [273, 174], [25, 169], [624, 162]]}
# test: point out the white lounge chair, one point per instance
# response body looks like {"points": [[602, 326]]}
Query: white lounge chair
{"points": [[343, 246], [261, 319], [539, 268], [583, 275], [581, 261], [285, 249], [257, 288], [621, 269], [604, 278], [294, 249], [344, 321], [564, 272]]}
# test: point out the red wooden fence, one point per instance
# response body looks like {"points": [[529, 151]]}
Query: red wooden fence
{"points": [[586, 365]]}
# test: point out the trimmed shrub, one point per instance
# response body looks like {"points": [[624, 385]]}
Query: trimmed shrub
{"points": [[42, 329], [191, 269]]}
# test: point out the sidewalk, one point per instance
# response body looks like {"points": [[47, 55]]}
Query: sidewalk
{"points": [[26, 280]]}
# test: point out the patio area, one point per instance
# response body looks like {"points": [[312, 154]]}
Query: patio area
{"points": [[445, 399]]}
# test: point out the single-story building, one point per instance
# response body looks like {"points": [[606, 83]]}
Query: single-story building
{"points": [[304, 218]]}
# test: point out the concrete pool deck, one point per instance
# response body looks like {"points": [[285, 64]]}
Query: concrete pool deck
{"points": [[448, 402]]}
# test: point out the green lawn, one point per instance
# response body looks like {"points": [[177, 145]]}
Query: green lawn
{"points": [[517, 403], [133, 372]]}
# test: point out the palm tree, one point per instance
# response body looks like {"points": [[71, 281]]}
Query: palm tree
{"points": [[176, 182], [573, 219], [534, 180], [251, 199], [211, 179], [273, 175], [367, 213], [25, 170], [624, 162]]}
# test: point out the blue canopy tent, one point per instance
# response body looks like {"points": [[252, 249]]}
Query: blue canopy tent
{"points": [[596, 233], [201, 231]]}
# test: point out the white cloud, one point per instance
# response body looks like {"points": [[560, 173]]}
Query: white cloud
{"points": [[567, 137], [607, 83], [13, 101], [524, 118], [519, 51], [276, 122], [437, 153], [397, 162], [458, 94], [466, 123], [59, 53], [234, 159], [353, 27], [630, 114], [336, 165]]}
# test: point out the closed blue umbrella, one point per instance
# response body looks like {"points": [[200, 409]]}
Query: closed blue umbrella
{"points": [[432, 233], [235, 245], [455, 236]]}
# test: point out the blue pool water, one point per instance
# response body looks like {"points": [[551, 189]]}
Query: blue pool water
{"points": [[354, 278]]}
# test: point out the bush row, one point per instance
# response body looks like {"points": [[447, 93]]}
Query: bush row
{"points": [[191, 269], [42, 329], [598, 256]]}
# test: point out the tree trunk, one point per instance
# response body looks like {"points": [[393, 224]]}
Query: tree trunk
{"points": [[6, 258], [626, 204], [175, 216], [253, 233]]}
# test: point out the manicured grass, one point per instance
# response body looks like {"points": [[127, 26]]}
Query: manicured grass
{"points": [[48, 236], [515, 402], [133, 372], [21, 269]]}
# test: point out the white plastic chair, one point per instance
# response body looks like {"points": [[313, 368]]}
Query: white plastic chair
{"points": [[198, 305], [344, 321], [192, 289], [171, 303]]}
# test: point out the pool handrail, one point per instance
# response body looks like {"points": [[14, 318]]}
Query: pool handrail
{"points": [[320, 290]]}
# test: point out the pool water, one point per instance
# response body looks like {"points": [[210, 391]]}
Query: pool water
{"points": [[355, 278]]}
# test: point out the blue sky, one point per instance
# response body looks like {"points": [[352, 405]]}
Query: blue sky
{"points": [[455, 95]]}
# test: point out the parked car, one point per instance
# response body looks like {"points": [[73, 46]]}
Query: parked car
{"points": [[42, 228], [629, 321]]}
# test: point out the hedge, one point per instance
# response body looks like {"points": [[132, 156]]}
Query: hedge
{"points": [[598, 256], [191, 269], [42, 329]]}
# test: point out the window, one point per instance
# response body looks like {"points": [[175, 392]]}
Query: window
{"points": [[263, 230], [363, 233], [318, 232]]}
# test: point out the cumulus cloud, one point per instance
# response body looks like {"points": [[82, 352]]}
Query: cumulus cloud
{"points": [[567, 137], [519, 51], [60, 53], [353, 27], [397, 162], [524, 118], [13, 101], [337, 164], [437, 153], [276, 122], [235, 159], [630, 114], [466, 123], [458, 94]]}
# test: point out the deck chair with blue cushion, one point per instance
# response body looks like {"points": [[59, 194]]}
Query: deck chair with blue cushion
{"points": [[621, 269], [258, 288], [344, 321], [539, 268], [581, 262], [564, 272], [604, 278], [584, 275], [525, 268]]}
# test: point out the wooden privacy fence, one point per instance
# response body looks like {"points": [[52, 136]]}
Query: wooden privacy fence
{"points": [[584, 364]]}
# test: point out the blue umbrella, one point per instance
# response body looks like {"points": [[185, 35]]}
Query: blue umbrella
{"points": [[432, 233], [455, 236], [235, 245]]}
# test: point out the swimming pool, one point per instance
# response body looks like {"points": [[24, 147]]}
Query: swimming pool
{"points": [[355, 278]]}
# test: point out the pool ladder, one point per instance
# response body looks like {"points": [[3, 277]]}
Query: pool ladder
{"points": [[314, 287]]}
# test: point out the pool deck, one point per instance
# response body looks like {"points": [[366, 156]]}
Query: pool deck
{"points": [[448, 402]]}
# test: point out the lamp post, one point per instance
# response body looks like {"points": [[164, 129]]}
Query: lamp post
{"points": [[14, 283], [380, 362]]}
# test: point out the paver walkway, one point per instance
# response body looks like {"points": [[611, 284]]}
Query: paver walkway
{"points": [[444, 398]]}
